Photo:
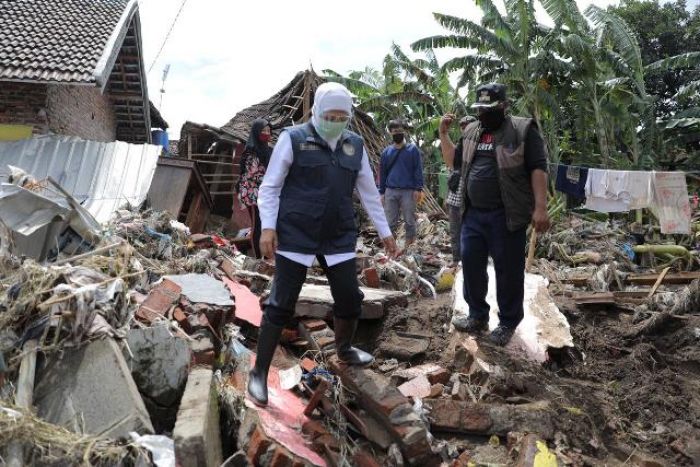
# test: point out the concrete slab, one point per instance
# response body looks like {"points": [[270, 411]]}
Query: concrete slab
{"points": [[197, 436], [543, 326], [159, 362], [90, 390], [316, 301], [202, 288]]}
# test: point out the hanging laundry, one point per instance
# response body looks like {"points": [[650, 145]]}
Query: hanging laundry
{"points": [[572, 180], [618, 190], [671, 204]]}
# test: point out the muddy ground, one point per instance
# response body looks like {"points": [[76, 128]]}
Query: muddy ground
{"points": [[617, 401]]}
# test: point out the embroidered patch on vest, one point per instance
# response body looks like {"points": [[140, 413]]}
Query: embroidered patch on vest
{"points": [[309, 147], [348, 149]]}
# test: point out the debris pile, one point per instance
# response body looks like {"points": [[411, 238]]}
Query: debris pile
{"points": [[134, 349]]}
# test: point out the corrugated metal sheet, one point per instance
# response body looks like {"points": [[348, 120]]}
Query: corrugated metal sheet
{"points": [[101, 176]]}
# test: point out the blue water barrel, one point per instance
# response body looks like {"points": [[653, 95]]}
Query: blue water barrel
{"points": [[160, 137]]}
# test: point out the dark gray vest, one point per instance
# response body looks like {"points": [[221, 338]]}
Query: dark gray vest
{"points": [[316, 214]]}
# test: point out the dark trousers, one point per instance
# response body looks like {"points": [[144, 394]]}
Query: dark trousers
{"points": [[255, 230], [484, 234], [289, 278]]}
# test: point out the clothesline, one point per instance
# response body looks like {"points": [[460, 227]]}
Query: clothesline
{"points": [[552, 164]]}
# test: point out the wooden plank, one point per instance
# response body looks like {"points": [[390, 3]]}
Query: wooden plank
{"points": [[658, 281], [578, 281], [596, 298], [684, 277], [215, 163]]}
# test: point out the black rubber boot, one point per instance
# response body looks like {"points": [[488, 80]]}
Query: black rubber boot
{"points": [[268, 338], [344, 332]]}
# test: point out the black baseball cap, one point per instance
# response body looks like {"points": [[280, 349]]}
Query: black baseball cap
{"points": [[489, 95]]}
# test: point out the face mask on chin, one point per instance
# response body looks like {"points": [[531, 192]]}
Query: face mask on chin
{"points": [[492, 119]]}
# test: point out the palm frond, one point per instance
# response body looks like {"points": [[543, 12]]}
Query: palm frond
{"points": [[623, 39], [353, 85], [686, 60], [471, 62], [565, 12], [441, 41], [476, 32]]}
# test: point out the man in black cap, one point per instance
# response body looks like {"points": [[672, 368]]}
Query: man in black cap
{"points": [[504, 185]]}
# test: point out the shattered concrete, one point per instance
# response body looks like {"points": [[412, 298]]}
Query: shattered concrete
{"points": [[81, 403]]}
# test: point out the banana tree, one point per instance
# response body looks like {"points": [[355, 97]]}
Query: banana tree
{"points": [[509, 48]]}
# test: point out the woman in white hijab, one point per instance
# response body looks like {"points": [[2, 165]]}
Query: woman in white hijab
{"points": [[307, 214]]}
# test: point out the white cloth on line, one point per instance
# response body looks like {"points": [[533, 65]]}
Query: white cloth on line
{"points": [[671, 203], [618, 190], [269, 198]]}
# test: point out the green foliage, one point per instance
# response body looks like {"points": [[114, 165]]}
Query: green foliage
{"points": [[616, 87]]}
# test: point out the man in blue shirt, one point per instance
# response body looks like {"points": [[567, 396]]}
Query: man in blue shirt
{"points": [[401, 180]]}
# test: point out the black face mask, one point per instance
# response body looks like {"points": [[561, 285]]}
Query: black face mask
{"points": [[492, 119], [397, 137]]}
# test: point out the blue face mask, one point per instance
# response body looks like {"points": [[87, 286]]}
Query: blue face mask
{"points": [[330, 130]]}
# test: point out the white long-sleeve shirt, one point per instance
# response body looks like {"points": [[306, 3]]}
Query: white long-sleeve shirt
{"points": [[269, 198]]}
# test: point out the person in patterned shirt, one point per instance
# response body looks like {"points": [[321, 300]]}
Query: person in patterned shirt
{"points": [[452, 155], [253, 166]]}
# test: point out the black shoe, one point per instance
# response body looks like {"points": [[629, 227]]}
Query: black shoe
{"points": [[470, 324], [268, 337], [501, 335], [344, 332]]}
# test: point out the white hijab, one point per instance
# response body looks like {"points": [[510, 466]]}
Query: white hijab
{"points": [[330, 96]]}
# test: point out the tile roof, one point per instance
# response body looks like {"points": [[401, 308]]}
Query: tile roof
{"points": [[57, 40]]}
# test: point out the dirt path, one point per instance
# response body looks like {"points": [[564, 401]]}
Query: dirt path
{"points": [[614, 398]]}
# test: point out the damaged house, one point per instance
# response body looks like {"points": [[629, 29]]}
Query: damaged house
{"points": [[219, 149], [74, 68]]}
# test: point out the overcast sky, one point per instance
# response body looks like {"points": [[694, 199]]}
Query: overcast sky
{"points": [[225, 55]]}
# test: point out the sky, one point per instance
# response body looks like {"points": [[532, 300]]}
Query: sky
{"points": [[226, 55]]}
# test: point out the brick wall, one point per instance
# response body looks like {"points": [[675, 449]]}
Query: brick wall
{"points": [[23, 104], [81, 111]]}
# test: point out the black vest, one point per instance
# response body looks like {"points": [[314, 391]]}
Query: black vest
{"points": [[316, 214]]}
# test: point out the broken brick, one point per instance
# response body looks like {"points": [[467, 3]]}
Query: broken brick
{"points": [[181, 318], [307, 364], [202, 351], [441, 376], [385, 403], [462, 460], [418, 387], [314, 324], [490, 419], [324, 342], [258, 444], [371, 278], [436, 390], [364, 459], [159, 301]]}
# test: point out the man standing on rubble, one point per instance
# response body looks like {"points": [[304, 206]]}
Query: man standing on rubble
{"points": [[401, 180], [452, 156], [306, 210], [504, 183]]}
